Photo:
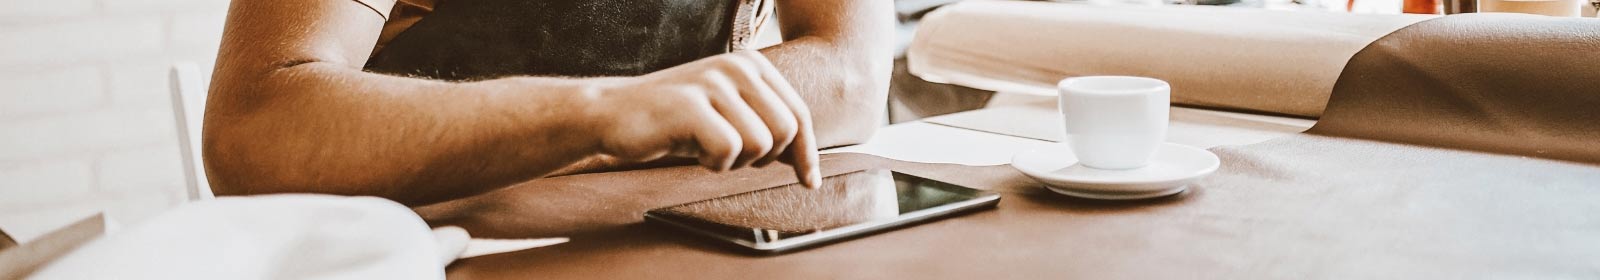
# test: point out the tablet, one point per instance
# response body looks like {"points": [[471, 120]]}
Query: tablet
{"points": [[847, 205]]}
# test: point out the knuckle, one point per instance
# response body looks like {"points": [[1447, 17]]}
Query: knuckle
{"points": [[731, 149], [760, 61], [739, 66], [685, 93], [717, 82], [752, 54], [785, 128], [801, 111], [759, 144], [727, 60], [713, 77], [785, 133]]}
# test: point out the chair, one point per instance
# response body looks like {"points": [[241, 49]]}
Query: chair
{"points": [[189, 84]]}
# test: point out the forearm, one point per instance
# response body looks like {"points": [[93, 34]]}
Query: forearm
{"points": [[839, 57], [330, 128], [291, 111]]}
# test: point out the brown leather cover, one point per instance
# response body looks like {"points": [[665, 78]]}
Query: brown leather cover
{"points": [[1502, 83], [1304, 206]]}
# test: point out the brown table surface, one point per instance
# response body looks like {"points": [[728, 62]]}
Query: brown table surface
{"points": [[1245, 222]]}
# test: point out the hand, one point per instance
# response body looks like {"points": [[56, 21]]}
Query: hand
{"points": [[729, 111]]}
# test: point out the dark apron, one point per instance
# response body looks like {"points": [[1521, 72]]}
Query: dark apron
{"points": [[486, 39]]}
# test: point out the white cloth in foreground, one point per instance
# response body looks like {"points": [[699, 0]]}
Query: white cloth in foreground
{"points": [[270, 237]]}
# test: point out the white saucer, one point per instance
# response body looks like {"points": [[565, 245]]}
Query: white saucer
{"points": [[1171, 170], [1116, 195]]}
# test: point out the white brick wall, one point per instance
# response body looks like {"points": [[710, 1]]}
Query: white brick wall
{"points": [[39, 93], [85, 118], [29, 10]]}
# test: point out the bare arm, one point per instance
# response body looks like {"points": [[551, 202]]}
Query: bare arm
{"points": [[291, 111], [839, 55]]}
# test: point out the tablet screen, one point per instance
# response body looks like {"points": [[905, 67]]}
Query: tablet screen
{"points": [[792, 211]]}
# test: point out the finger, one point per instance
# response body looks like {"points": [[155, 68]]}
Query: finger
{"points": [[804, 154], [760, 97], [752, 131], [717, 141], [803, 151]]}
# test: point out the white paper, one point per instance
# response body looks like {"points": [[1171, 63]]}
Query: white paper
{"points": [[933, 143], [1193, 127]]}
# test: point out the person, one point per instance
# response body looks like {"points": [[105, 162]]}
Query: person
{"points": [[424, 101]]}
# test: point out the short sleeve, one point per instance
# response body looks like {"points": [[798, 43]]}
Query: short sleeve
{"points": [[399, 16], [382, 7]]}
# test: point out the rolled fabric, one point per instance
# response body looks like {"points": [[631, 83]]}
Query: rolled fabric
{"points": [[1245, 59], [1501, 83]]}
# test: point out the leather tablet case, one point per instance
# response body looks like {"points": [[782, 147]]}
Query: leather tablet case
{"points": [[1501, 83]]}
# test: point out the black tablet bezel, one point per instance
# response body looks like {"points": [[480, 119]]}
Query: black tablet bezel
{"points": [[977, 199]]}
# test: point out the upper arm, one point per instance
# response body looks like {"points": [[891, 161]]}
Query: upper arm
{"points": [[263, 35], [840, 21], [261, 38]]}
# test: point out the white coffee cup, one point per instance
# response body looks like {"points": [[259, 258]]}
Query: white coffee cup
{"points": [[1114, 122]]}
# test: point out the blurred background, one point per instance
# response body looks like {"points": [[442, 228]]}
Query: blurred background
{"points": [[86, 121]]}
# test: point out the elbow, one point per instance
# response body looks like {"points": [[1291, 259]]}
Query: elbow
{"points": [[238, 163], [242, 153], [863, 94], [242, 158], [256, 140], [262, 135], [234, 170]]}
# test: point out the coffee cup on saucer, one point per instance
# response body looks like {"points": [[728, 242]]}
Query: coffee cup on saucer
{"points": [[1115, 145]]}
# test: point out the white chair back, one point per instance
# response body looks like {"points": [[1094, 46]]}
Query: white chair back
{"points": [[189, 85]]}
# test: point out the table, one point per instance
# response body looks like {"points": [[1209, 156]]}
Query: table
{"points": [[1295, 207]]}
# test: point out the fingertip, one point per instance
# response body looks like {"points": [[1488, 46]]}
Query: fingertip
{"points": [[709, 165], [729, 157], [814, 179]]}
